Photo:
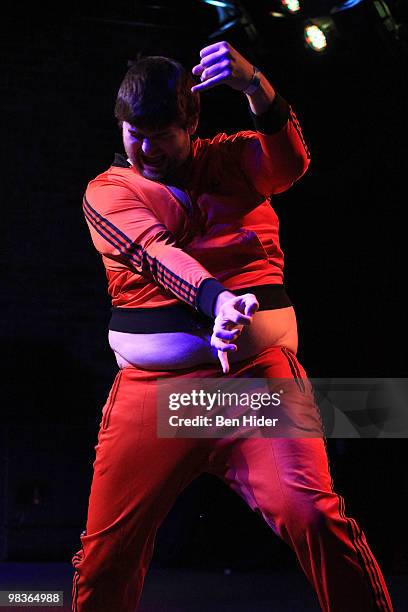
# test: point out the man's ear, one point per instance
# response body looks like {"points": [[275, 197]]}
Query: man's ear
{"points": [[193, 126]]}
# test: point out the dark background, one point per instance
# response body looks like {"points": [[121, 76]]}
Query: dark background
{"points": [[342, 229]]}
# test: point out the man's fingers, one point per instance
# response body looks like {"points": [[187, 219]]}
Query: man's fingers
{"points": [[230, 315], [214, 68], [223, 357], [213, 71], [211, 82], [251, 308], [227, 334], [248, 303], [226, 348], [197, 70], [214, 58], [214, 48], [222, 345]]}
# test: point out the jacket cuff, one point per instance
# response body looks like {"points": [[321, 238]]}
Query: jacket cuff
{"points": [[272, 120], [207, 293]]}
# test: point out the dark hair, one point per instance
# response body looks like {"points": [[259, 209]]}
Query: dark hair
{"points": [[155, 93]]}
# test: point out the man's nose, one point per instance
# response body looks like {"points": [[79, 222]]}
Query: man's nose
{"points": [[148, 146]]}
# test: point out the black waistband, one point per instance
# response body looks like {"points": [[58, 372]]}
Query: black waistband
{"points": [[182, 318]]}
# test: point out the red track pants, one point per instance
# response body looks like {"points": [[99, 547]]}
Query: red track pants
{"points": [[137, 478]]}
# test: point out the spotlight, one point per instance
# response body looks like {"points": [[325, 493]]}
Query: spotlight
{"points": [[318, 32], [292, 6], [315, 38]]}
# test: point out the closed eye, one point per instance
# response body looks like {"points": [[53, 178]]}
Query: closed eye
{"points": [[158, 136]]}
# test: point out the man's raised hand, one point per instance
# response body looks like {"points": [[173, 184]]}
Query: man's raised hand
{"points": [[221, 64]]}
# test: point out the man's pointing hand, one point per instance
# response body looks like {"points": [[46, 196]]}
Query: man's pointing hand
{"points": [[233, 313]]}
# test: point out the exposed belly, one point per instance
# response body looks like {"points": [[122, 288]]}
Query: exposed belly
{"points": [[172, 351]]}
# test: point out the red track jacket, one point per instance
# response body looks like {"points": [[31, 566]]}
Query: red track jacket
{"points": [[156, 252]]}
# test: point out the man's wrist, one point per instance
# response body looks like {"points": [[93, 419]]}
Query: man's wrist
{"points": [[223, 297], [207, 295], [254, 83], [262, 96]]}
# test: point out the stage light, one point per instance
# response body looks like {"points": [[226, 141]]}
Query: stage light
{"points": [[219, 4], [318, 32], [292, 6], [315, 38]]}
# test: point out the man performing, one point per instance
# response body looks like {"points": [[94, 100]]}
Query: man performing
{"points": [[190, 244]]}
